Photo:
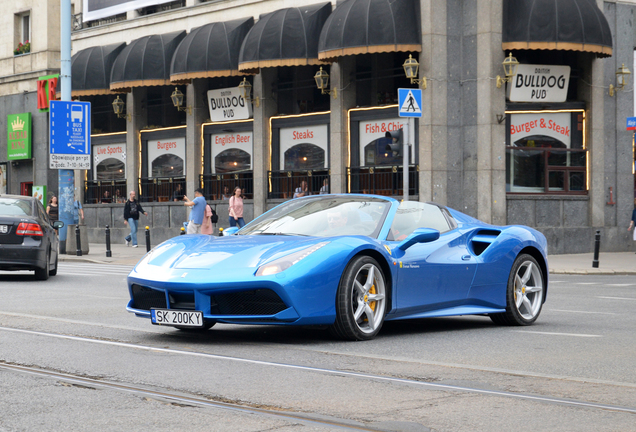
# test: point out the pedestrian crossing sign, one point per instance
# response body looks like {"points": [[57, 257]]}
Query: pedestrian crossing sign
{"points": [[410, 102]]}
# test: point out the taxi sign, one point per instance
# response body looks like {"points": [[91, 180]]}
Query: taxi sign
{"points": [[69, 135]]}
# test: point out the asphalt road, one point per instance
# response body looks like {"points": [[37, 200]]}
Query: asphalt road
{"points": [[72, 358]]}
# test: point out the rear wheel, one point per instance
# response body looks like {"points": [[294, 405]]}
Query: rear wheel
{"points": [[43, 273], [524, 296], [360, 301]]}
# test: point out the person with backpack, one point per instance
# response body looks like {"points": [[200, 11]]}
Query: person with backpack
{"points": [[209, 219], [132, 208]]}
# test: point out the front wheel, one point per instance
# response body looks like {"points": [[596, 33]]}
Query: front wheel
{"points": [[524, 296], [360, 300]]}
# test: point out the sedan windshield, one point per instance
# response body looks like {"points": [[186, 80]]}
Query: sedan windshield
{"points": [[14, 207], [323, 217]]}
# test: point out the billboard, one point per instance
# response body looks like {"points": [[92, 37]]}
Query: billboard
{"points": [[97, 9]]}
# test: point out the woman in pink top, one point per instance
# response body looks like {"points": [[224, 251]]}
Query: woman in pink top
{"points": [[236, 208]]}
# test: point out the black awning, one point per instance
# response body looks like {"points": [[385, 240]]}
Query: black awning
{"points": [[286, 37], [90, 69], [574, 25], [371, 26], [145, 61], [210, 51]]}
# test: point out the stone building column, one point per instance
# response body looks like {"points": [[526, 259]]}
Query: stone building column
{"points": [[136, 102], [341, 76], [194, 152], [491, 150], [268, 106], [433, 131]]}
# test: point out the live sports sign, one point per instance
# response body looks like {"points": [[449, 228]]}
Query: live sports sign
{"points": [[19, 136]]}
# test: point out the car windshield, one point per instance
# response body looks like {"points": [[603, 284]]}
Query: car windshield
{"points": [[323, 217], [14, 207]]}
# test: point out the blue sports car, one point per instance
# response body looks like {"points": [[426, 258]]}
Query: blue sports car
{"points": [[348, 262]]}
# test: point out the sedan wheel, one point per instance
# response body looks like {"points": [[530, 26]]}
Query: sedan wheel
{"points": [[360, 301], [43, 273], [524, 297]]}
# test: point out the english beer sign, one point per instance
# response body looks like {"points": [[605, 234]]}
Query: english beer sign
{"points": [[228, 104], [540, 83]]}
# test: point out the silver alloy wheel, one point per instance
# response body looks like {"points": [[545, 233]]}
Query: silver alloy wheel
{"points": [[528, 291], [368, 298]]}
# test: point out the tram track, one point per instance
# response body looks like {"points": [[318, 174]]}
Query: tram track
{"points": [[285, 366]]}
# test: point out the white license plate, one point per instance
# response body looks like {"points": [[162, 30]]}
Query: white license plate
{"points": [[4, 229], [178, 318]]}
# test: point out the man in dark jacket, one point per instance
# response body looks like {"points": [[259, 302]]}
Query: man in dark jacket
{"points": [[132, 208]]}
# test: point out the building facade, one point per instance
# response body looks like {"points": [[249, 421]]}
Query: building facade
{"points": [[548, 148]]}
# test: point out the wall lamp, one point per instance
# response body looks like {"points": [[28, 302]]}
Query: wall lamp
{"points": [[410, 69], [622, 79], [177, 101], [245, 88], [322, 82], [510, 69], [118, 107]]}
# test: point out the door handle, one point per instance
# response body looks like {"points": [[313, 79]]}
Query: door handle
{"points": [[466, 257]]}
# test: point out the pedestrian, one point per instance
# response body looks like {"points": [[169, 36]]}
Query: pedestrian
{"points": [[226, 193], [236, 208], [197, 213], [632, 223], [106, 198], [206, 225], [78, 211], [132, 209], [53, 210], [118, 198], [178, 193], [325, 187], [302, 191]]}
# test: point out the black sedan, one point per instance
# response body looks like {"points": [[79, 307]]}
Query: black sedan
{"points": [[28, 239]]}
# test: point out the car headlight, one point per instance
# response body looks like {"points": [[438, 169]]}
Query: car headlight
{"points": [[283, 263]]}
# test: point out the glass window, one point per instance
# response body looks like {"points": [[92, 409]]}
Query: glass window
{"points": [[111, 169], [167, 165], [545, 153], [411, 215], [305, 157], [232, 160], [15, 207]]}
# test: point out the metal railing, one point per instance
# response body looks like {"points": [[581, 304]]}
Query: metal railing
{"points": [[382, 180], [161, 189], [220, 186], [282, 184], [105, 191]]}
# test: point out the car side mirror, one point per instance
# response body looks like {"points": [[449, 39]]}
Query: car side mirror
{"points": [[420, 235], [230, 231], [58, 224]]}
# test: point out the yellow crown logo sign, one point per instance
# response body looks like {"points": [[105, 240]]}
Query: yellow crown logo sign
{"points": [[17, 125]]}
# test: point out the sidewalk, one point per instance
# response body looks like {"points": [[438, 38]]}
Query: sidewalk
{"points": [[610, 263]]}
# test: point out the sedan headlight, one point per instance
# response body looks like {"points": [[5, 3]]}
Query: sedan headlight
{"points": [[283, 263]]}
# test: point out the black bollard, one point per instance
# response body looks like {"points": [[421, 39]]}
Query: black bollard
{"points": [[182, 231], [78, 241], [108, 252], [597, 246], [220, 232], [147, 239]]}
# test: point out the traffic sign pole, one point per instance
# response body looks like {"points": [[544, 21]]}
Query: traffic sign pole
{"points": [[405, 161], [65, 178]]}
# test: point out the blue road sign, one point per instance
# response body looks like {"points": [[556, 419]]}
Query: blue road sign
{"points": [[410, 102], [631, 123], [69, 135]]}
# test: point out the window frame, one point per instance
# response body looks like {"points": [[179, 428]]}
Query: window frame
{"points": [[571, 108]]}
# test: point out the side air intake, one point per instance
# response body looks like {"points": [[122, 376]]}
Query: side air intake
{"points": [[482, 239]]}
